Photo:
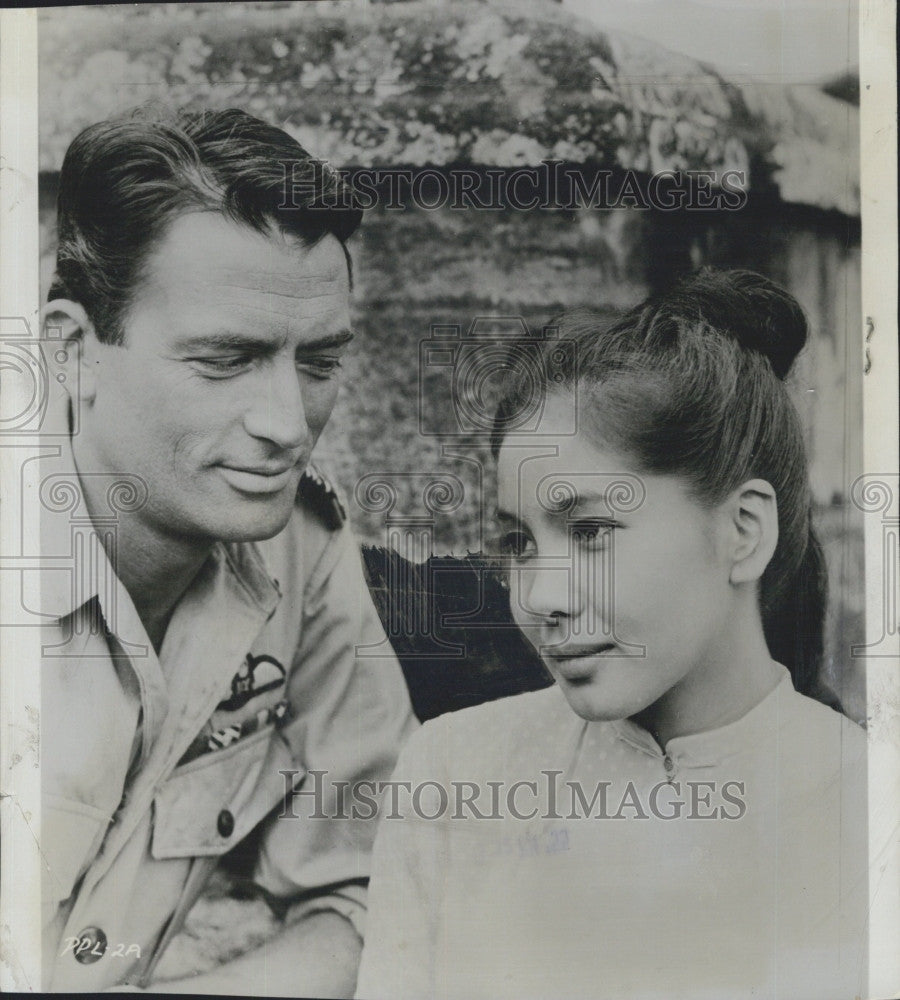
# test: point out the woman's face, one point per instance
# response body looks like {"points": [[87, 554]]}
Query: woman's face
{"points": [[624, 591]]}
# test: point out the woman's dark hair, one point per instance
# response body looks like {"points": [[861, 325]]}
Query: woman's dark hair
{"points": [[691, 383], [124, 180]]}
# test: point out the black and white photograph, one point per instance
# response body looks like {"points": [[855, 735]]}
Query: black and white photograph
{"points": [[450, 501]]}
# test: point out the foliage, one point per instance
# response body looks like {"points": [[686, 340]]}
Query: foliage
{"points": [[462, 83]]}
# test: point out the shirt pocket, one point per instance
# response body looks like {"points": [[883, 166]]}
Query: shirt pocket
{"points": [[213, 802]]}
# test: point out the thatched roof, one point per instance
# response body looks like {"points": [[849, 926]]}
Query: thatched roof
{"points": [[461, 83]]}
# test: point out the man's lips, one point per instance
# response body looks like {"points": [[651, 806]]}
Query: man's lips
{"points": [[263, 470], [266, 478]]}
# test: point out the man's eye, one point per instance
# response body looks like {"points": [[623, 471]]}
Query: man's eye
{"points": [[515, 545], [230, 364], [592, 531], [320, 367]]}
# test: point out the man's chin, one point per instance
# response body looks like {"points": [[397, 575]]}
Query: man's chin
{"points": [[258, 525]]}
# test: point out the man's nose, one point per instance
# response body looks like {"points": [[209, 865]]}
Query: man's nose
{"points": [[278, 414]]}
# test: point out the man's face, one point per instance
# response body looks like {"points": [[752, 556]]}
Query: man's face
{"points": [[227, 375]]}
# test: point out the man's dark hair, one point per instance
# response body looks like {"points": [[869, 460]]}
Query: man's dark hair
{"points": [[123, 181]]}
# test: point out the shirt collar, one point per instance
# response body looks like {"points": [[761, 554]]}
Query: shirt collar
{"points": [[714, 745]]}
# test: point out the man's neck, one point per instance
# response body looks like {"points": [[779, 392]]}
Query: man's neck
{"points": [[155, 568], [156, 572]]}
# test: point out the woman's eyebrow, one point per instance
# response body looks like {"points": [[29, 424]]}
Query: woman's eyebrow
{"points": [[505, 516], [567, 499], [561, 499], [588, 498]]}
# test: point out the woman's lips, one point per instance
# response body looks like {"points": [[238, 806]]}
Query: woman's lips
{"points": [[575, 663]]}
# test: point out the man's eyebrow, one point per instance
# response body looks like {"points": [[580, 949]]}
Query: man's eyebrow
{"points": [[329, 340], [225, 340], [506, 516]]}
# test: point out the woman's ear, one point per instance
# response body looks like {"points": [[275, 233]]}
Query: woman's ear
{"points": [[753, 515], [66, 323]]}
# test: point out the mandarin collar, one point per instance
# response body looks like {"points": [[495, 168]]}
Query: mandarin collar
{"points": [[713, 746]]}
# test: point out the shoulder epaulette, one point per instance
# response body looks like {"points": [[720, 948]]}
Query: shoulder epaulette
{"points": [[317, 493]]}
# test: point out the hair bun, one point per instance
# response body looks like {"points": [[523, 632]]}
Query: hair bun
{"points": [[753, 310]]}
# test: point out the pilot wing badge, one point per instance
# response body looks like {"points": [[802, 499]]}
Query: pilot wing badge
{"points": [[258, 674], [239, 715]]}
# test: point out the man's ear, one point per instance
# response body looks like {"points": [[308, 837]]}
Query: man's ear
{"points": [[753, 519], [66, 323]]}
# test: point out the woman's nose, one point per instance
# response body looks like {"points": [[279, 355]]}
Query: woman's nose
{"points": [[545, 593]]}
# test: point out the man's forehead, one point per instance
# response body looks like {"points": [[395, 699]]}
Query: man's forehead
{"points": [[206, 250], [262, 281]]}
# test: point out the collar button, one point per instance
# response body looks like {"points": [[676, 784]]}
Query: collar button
{"points": [[90, 946], [225, 823]]}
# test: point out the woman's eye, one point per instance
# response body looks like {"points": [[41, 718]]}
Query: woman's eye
{"points": [[515, 544], [592, 531]]}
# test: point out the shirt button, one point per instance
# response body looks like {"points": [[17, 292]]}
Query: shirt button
{"points": [[669, 765], [225, 824], [90, 946]]}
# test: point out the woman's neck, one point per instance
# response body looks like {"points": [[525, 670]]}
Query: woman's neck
{"points": [[736, 674]]}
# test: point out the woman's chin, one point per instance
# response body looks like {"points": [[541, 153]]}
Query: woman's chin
{"points": [[592, 704]]}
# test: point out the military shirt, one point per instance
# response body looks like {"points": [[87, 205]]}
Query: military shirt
{"points": [[274, 664]]}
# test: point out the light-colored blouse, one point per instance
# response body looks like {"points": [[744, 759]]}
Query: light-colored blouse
{"points": [[573, 859]]}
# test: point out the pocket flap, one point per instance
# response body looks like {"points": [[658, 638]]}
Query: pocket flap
{"points": [[210, 804]]}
